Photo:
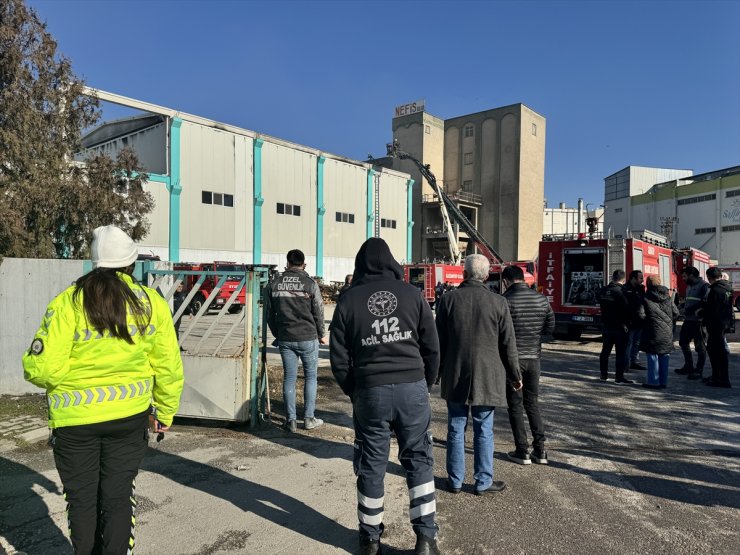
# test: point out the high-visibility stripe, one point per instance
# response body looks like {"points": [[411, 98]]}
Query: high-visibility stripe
{"points": [[372, 520], [96, 395], [422, 490], [369, 502], [421, 510]]}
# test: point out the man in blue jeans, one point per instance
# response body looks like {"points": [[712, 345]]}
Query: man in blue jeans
{"points": [[478, 356], [295, 315]]}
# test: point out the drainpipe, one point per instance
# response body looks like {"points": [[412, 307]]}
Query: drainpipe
{"points": [[580, 215]]}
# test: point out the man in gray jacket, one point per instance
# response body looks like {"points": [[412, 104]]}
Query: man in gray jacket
{"points": [[295, 315], [691, 329], [533, 317], [478, 357]]}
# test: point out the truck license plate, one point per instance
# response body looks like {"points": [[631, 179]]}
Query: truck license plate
{"points": [[583, 318]]}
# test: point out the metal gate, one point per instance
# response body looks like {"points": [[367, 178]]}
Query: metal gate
{"points": [[224, 379]]}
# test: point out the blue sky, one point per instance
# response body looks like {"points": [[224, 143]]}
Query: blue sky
{"points": [[620, 83]]}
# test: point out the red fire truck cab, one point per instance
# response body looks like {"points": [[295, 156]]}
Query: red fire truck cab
{"points": [[211, 281], [690, 256], [572, 270], [426, 277]]}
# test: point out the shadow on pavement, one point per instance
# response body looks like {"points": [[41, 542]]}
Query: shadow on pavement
{"points": [[25, 521], [267, 503]]}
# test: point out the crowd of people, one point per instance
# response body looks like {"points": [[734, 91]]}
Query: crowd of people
{"points": [[638, 318], [107, 354]]}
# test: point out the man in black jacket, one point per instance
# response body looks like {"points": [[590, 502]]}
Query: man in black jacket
{"points": [[478, 357], [614, 318], [718, 317], [634, 292], [532, 317], [295, 315], [385, 356]]}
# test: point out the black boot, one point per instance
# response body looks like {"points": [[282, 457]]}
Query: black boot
{"points": [[426, 546], [369, 547]]}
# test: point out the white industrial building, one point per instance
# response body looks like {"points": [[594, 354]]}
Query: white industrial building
{"points": [[226, 193], [700, 211], [565, 220]]}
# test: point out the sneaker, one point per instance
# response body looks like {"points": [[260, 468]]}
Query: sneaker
{"points": [[369, 547], [683, 371], [539, 456], [495, 487], [603, 378], [637, 366], [695, 375], [426, 546], [712, 383], [651, 385], [624, 381], [519, 457], [290, 426], [312, 423]]}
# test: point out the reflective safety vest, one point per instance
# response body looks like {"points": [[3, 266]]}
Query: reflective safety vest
{"points": [[92, 377]]}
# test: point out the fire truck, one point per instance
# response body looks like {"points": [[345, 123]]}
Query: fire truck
{"points": [[573, 268], [690, 256], [426, 276], [211, 281]]}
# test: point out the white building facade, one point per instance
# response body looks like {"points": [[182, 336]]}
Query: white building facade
{"points": [[230, 194], [700, 211]]}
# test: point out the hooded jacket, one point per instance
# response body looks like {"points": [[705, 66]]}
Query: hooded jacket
{"points": [[658, 312], [717, 311], [383, 330]]}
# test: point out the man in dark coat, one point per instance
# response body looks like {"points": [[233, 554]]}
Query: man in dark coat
{"points": [[614, 332], [634, 292], [532, 317], [718, 317], [385, 356], [658, 313], [478, 357]]}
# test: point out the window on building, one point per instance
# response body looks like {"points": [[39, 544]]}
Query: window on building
{"points": [[701, 230], [218, 198], [228, 200], [288, 209], [693, 200], [427, 130], [731, 228], [467, 185], [735, 193], [387, 223], [345, 217], [534, 129], [469, 131], [468, 158], [207, 197], [617, 210]]}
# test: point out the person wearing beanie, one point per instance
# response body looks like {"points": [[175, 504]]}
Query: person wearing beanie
{"points": [[384, 354], [107, 356]]}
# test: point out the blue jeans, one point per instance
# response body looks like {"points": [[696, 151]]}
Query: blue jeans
{"points": [[457, 422], [308, 352], [657, 368], [633, 347]]}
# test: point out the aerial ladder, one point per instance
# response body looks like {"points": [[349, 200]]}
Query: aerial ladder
{"points": [[447, 207]]}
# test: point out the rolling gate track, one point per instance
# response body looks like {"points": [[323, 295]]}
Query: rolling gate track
{"points": [[224, 379]]}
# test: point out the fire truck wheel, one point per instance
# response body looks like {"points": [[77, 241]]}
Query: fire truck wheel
{"points": [[197, 303], [235, 309]]}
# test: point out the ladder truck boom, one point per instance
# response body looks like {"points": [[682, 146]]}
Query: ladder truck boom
{"points": [[447, 208]]}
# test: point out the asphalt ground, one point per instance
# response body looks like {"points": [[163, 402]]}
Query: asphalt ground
{"points": [[631, 471]]}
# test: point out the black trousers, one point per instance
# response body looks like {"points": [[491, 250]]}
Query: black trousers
{"points": [[613, 338], [718, 356], [692, 330], [98, 464], [404, 409], [527, 398]]}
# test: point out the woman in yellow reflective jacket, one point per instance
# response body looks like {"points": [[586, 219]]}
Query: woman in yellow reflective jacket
{"points": [[105, 353]]}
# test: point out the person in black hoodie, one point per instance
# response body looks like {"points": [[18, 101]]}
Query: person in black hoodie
{"points": [[384, 354], [718, 317], [614, 318], [657, 312]]}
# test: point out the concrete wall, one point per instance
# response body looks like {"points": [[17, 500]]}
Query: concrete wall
{"points": [[393, 207], [26, 288], [531, 183]]}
